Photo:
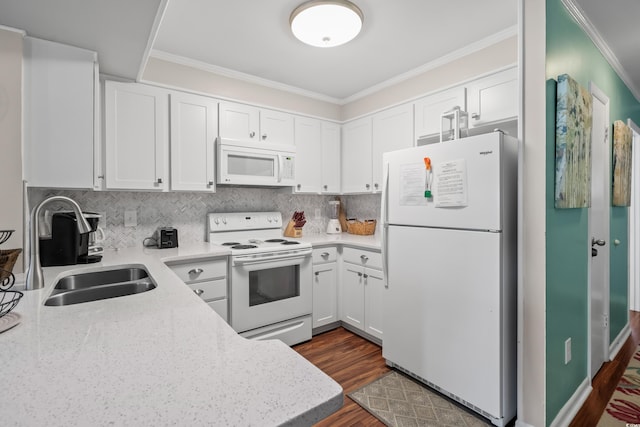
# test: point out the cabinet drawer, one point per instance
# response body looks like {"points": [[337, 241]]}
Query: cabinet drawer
{"points": [[328, 254], [220, 307], [200, 270], [213, 289], [362, 257]]}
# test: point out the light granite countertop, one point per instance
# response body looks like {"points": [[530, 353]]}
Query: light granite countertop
{"points": [[162, 357]]}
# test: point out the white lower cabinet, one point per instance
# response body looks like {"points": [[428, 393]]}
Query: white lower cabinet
{"points": [[362, 293], [207, 277], [325, 285]]}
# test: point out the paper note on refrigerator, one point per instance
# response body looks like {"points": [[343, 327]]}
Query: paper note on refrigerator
{"points": [[450, 187], [412, 179]]}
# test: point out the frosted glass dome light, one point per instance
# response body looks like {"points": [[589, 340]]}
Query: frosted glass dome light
{"points": [[326, 23]]}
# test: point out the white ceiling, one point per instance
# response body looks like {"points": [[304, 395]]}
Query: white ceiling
{"points": [[253, 37]]}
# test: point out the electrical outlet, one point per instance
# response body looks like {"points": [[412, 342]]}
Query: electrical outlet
{"points": [[130, 218], [567, 351], [318, 214]]}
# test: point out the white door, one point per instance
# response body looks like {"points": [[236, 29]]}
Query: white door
{"points": [[238, 121], [136, 136], [428, 110], [599, 231], [194, 128], [373, 300], [493, 98], [356, 156], [330, 158], [308, 153], [634, 224], [392, 130], [352, 298], [325, 302], [276, 127]]}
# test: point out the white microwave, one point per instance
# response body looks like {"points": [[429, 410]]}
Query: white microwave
{"points": [[247, 163]]}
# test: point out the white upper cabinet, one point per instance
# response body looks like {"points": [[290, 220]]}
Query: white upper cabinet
{"points": [[330, 158], [194, 128], [392, 130], [247, 123], [308, 154], [428, 110], [136, 136], [60, 93], [493, 98], [356, 156]]}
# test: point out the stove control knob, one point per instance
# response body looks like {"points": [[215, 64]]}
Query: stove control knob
{"points": [[224, 220], [216, 220]]}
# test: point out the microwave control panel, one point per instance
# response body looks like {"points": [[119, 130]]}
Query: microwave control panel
{"points": [[288, 167]]}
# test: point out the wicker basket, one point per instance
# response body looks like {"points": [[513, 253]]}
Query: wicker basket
{"points": [[363, 228], [8, 259]]}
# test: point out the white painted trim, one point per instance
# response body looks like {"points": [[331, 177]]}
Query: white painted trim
{"points": [[587, 26], [13, 30], [162, 8], [522, 424], [249, 78], [226, 72], [573, 405], [634, 224], [457, 54], [619, 342]]}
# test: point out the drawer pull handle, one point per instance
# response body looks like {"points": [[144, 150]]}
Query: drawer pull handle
{"points": [[324, 254], [198, 292], [364, 258], [195, 271]]}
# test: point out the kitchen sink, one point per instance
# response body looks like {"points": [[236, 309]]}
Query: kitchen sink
{"points": [[98, 285]]}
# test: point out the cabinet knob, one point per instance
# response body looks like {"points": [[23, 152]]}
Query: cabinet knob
{"points": [[317, 273], [159, 180], [475, 116], [195, 271], [298, 186], [325, 187], [252, 134], [264, 136], [368, 186], [364, 258], [359, 274], [376, 185], [198, 292], [324, 254], [210, 183], [100, 176], [365, 275]]}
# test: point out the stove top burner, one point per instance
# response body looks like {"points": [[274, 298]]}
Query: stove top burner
{"points": [[243, 247], [230, 243], [290, 242], [275, 240]]}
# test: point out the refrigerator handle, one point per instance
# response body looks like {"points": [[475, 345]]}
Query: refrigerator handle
{"points": [[384, 220]]}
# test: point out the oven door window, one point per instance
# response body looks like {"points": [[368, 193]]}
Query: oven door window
{"points": [[273, 284]]}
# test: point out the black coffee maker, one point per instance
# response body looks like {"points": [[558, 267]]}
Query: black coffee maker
{"points": [[67, 246]]}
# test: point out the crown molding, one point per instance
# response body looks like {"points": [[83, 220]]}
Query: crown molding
{"points": [[450, 57], [162, 8], [226, 72], [237, 75], [587, 26], [13, 30]]}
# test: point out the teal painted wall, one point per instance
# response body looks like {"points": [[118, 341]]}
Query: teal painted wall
{"points": [[569, 50]]}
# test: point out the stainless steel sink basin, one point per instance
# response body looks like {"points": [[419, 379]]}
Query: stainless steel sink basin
{"points": [[98, 285]]}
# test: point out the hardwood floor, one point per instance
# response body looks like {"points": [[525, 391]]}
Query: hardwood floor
{"points": [[353, 362], [607, 378]]}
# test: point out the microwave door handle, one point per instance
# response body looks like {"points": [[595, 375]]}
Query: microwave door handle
{"points": [[279, 167]]}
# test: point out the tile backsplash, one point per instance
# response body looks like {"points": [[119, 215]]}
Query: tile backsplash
{"points": [[187, 211]]}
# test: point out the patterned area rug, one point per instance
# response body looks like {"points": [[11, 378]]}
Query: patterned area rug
{"points": [[398, 401], [624, 405]]}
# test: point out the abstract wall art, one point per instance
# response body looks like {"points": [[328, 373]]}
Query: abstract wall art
{"points": [[622, 138], [573, 144]]}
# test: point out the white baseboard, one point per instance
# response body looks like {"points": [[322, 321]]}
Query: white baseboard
{"points": [[573, 405], [617, 344], [522, 424]]}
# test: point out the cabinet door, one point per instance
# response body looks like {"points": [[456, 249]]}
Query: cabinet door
{"points": [[373, 300], [493, 98], [352, 300], [330, 158], [59, 112], [356, 156], [428, 110], [194, 127], [276, 127], [238, 121], [392, 130], [136, 136], [325, 303], [308, 153]]}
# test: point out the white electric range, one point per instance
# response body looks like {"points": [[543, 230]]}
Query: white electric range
{"points": [[270, 276]]}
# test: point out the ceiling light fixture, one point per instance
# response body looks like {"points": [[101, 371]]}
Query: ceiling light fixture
{"points": [[326, 23]]}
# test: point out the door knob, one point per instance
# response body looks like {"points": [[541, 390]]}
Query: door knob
{"points": [[598, 242]]}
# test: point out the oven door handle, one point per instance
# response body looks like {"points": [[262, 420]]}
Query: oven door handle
{"points": [[246, 261]]}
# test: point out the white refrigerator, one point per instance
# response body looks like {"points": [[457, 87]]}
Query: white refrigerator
{"points": [[449, 255]]}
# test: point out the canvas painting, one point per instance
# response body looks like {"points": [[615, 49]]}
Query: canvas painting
{"points": [[573, 144], [622, 138]]}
